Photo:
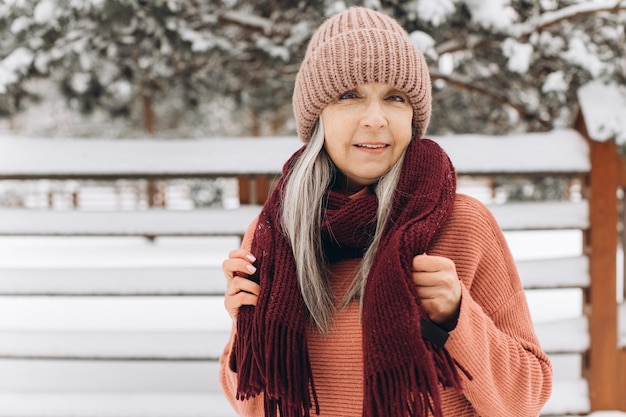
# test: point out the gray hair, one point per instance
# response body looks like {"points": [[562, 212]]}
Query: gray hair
{"points": [[303, 199]]}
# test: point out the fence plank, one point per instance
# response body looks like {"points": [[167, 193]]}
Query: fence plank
{"points": [[545, 215], [154, 222], [572, 272], [178, 345], [234, 222], [113, 281], [184, 158]]}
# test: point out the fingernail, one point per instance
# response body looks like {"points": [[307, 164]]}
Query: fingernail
{"points": [[251, 257], [251, 269]]}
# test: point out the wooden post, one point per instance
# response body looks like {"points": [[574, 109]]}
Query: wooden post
{"points": [[622, 379], [155, 191], [254, 190], [262, 188], [245, 194], [602, 240], [621, 365]]}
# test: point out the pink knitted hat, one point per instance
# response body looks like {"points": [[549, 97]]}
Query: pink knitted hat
{"points": [[359, 46]]}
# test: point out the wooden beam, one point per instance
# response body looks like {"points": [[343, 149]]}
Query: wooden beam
{"points": [[622, 379], [602, 243]]}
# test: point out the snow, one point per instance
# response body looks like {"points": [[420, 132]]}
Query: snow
{"points": [[548, 18], [517, 152], [122, 89], [44, 11], [579, 54], [80, 82], [548, 215], [20, 24], [204, 279], [298, 34], [554, 83], [118, 327], [102, 157], [273, 50], [176, 158], [551, 335], [155, 404], [573, 395], [145, 325], [559, 272], [608, 414], [113, 313], [12, 66], [495, 14], [435, 12], [156, 222], [424, 43], [603, 106], [519, 55], [551, 44], [575, 9], [199, 42]]}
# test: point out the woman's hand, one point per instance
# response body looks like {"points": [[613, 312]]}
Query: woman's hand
{"points": [[239, 289], [439, 288]]}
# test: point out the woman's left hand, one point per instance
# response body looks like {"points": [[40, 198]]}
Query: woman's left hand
{"points": [[439, 288]]}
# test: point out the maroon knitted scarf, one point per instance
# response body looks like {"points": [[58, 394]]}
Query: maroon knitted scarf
{"points": [[403, 366]]}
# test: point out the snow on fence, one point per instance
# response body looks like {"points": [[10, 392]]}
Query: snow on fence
{"points": [[120, 330]]}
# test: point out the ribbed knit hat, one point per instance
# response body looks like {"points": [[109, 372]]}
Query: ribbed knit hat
{"points": [[359, 46]]}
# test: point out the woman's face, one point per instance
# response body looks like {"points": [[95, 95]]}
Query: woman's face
{"points": [[366, 131]]}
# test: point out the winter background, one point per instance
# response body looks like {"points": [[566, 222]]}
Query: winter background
{"points": [[225, 68]]}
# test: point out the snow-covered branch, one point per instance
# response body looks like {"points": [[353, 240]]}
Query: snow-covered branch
{"points": [[572, 12], [543, 22], [247, 20], [471, 85]]}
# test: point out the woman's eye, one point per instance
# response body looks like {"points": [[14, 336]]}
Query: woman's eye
{"points": [[397, 97], [347, 96]]}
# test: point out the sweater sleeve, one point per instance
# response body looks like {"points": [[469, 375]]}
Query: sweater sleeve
{"points": [[252, 407], [494, 339]]}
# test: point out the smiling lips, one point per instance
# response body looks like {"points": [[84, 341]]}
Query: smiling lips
{"points": [[371, 145]]}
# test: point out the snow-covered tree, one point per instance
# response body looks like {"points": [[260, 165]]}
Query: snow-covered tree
{"points": [[502, 65], [113, 54], [497, 65]]}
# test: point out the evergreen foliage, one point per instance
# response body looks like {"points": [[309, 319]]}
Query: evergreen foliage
{"points": [[498, 66]]}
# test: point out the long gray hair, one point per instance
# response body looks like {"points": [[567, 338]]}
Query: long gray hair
{"points": [[303, 199]]}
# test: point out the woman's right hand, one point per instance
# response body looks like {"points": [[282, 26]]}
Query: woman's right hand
{"points": [[239, 289]]}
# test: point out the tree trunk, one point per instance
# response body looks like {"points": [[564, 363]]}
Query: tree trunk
{"points": [[148, 113]]}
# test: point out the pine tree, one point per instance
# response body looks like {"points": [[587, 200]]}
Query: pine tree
{"points": [[497, 65]]}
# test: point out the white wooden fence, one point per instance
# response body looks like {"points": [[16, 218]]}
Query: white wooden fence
{"points": [[110, 368]]}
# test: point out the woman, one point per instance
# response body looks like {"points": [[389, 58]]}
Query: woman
{"points": [[366, 286]]}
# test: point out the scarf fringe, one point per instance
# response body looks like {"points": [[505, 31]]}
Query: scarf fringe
{"points": [[448, 368], [285, 358], [412, 389], [244, 359]]}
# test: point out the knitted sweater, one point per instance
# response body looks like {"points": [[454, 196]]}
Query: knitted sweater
{"points": [[493, 339]]}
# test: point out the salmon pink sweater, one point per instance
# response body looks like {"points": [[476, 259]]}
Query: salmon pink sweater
{"points": [[493, 340]]}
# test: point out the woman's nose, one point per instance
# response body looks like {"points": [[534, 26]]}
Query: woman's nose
{"points": [[373, 115]]}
